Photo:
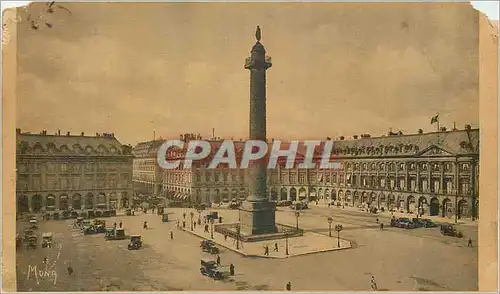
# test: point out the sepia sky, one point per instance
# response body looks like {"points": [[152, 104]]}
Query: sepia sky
{"points": [[338, 69]]}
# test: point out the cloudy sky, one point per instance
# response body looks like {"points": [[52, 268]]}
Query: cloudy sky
{"points": [[338, 69]]}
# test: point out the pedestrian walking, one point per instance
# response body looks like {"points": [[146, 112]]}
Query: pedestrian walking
{"points": [[171, 235], [218, 259], [328, 204], [206, 228], [469, 244], [289, 286], [266, 250], [121, 224], [231, 269], [377, 220], [275, 247], [183, 224], [381, 226], [225, 237], [194, 224], [70, 269], [145, 226], [45, 260], [373, 284], [184, 215], [114, 226]]}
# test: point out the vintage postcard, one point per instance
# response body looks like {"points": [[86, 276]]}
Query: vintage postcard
{"points": [[249, 147]]}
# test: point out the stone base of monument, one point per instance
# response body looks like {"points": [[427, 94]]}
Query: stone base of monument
{"points": [[258, 218], [257, 223]]}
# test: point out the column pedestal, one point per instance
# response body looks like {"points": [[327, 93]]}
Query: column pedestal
{"points": [[258, 218]]}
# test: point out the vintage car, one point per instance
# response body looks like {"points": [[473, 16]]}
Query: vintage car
{"points": [[201, 206], [31, 242], [284, 203], [98, 213], [56, 216], [33, 224], [86, 223], [73, 214], [209, 246], [47, 240], [135, 242], [209, 268], [212, 215], [427, 223], [403, 222], [106, 213], [299, 205], [129, 212], [115, 234], [450, 230]]}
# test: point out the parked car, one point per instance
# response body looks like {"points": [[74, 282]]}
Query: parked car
{"points": [[450, 230], [423, 223], [298, 205], [135, 242], [283, 203], [403, 222], [47, 240], [209, 268], [209, 246]]}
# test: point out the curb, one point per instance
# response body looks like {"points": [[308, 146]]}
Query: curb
{"points": [[269, 257]]}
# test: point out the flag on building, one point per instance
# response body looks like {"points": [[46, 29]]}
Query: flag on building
{"points": [[435, 119]]}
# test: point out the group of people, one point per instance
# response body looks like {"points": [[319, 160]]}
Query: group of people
{"points": [[266, 249]]}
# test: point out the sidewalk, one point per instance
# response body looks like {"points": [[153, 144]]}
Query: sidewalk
{"points": [[439, 219], [309, 243]]}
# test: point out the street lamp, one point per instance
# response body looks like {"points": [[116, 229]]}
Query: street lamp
{"points": [[238, 237], [192, 214], [199, 215], [297, 214], [286, 242], [212, 228], [338, 228], [330, 221]]}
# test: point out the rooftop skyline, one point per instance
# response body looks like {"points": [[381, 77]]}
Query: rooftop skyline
{"points": [[339, 69]]}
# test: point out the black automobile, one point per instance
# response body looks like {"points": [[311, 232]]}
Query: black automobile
{"points": [[210, 269], [209, 246], [427, 223], [450, 230]]}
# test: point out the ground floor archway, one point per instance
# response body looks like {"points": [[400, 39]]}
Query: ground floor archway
{"points": [[63, 202], [283, 194], [293, 194], [274, 194], [36, 203], [447, 210], [76, 201], [434, 207], [22, 204], [463, 209], [411, 205], [422, 206], [302, 194], [88, 202]]}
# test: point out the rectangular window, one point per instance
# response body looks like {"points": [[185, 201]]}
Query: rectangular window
{"points": [[302, 178], [413, 185], [425, 188], [436, 186], [449, 187], [293, 179]]}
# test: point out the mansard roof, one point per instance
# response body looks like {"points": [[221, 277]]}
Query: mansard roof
{"points": [[40, 144]]}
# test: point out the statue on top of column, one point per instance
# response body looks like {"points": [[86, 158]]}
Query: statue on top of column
{"points": [[258, 34]]}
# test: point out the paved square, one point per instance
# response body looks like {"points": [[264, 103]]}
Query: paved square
{"points": [[400, 260]]}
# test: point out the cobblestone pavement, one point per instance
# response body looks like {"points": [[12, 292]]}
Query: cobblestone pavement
{"points": [[420, 259]]}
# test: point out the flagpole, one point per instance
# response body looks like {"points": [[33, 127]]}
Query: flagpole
{"points": [[438, 127]]}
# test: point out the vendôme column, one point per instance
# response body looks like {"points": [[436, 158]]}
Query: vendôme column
{"points": [[257, 214]]}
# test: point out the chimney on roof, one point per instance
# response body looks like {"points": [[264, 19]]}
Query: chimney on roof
{"points": [[68, 133], [18, 131], [420, 131], [83, 134], [341, 137], [112, 135], [355, 137], [58, 132], [468, 127]]}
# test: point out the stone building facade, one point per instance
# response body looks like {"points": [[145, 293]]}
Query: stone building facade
{"points": [[146, 174], [432, 173], [61, 172]]}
